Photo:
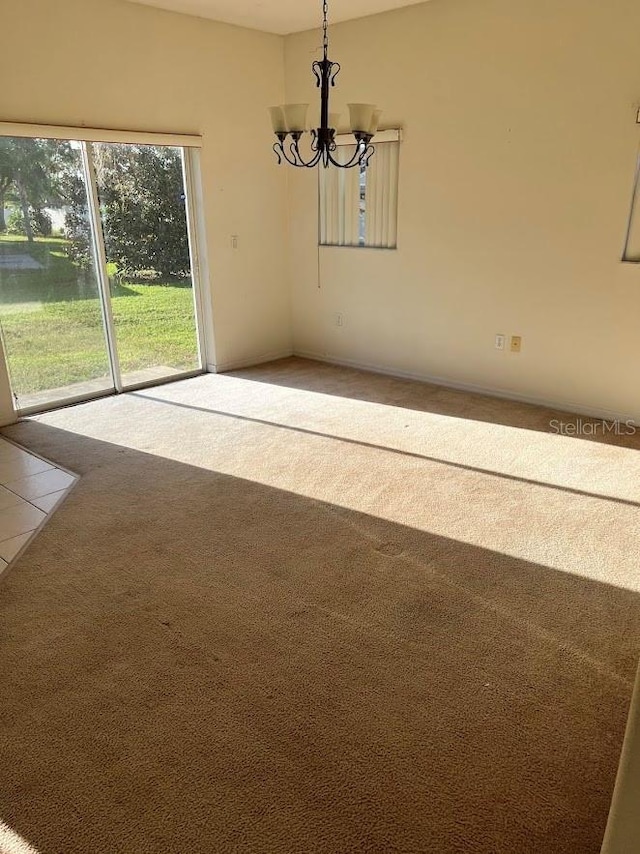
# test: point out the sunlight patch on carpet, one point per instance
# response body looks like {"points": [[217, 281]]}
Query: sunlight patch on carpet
{"points": [[562, 502], [12, 843]]}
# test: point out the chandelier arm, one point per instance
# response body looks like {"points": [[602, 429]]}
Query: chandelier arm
{"points": [[331, 160], [295, 158], [291, 161], [315, 159], [354, 161], [281, 154], [363, 154], [367, 154], [298, 160], [317, 70], [334, 74], [295, 151]]}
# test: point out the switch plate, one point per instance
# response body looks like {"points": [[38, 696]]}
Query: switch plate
{"points": [[500, 340]]}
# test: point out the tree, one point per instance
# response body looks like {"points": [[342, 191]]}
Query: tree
{"points": [[143, 209], [7, 172], [6, 179], [77, 226], [32, 169]]}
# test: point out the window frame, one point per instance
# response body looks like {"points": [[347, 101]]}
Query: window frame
{"points": [[629, 257]]}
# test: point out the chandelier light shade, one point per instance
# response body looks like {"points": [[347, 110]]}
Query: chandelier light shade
{"points": [[290, 120]]}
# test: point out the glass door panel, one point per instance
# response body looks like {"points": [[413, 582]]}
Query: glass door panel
{"points": [[50, 307], [143, 215]]}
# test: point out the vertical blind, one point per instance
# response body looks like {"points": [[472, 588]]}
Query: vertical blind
{"points": [[346, 219], [340, 201], [381, 199]]}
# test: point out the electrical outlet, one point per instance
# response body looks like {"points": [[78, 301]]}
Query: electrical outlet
{"points": [[338, 319], [234, 241], [500, 339], [516, 343]]}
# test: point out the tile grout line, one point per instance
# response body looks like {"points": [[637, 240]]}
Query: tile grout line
{"points": [[51, 467], [47, 513], [30, 501], [32, 534], [38, 456], [4, 570]]}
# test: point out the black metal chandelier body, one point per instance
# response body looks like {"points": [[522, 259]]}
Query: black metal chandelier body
{"points": [[289, 121]]}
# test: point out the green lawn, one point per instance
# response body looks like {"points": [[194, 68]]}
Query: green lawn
{"points": [[52, 323]]}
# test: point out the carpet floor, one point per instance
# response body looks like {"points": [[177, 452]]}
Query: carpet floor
{"points": [[301, 608]]}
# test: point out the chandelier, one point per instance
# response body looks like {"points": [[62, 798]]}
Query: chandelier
{"points": [[290, 120]]}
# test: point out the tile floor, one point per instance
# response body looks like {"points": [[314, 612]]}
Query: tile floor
{"points": [[30, 489]]}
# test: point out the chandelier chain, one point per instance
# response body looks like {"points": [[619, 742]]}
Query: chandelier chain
{"points": [[325, 26]]}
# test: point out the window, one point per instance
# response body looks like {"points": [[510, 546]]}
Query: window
{"points": [[359, 207], [632, 242]]}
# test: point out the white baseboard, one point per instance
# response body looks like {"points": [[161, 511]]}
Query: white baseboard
{"points": [[237, 364], [490, 391]]}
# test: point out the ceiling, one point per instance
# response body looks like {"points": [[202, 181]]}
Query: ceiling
{"points": [[278, 16]]}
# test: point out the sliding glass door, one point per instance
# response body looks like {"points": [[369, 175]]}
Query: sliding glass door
{"points": [[51, 312], [96, 287], [143, 212]]}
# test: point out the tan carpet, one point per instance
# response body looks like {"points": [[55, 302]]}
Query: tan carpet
{"points": [[306, 609]]}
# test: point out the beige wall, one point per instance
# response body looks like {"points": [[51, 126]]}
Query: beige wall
{"points": [[516, 170], [107, 63]]}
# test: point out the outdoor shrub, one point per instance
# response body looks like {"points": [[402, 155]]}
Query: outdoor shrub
{"points": [[40, 223]]}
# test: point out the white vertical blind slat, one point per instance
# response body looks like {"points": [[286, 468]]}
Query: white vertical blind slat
{"points": [[322, 207], [340, 208], [351, 178], [385, 199], [392, 205], [383, 177], [371, 194]]}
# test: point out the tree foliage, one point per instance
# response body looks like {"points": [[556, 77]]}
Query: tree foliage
{"points": [[41, 225], [77, 225], [143, 209], [32, 175]]}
